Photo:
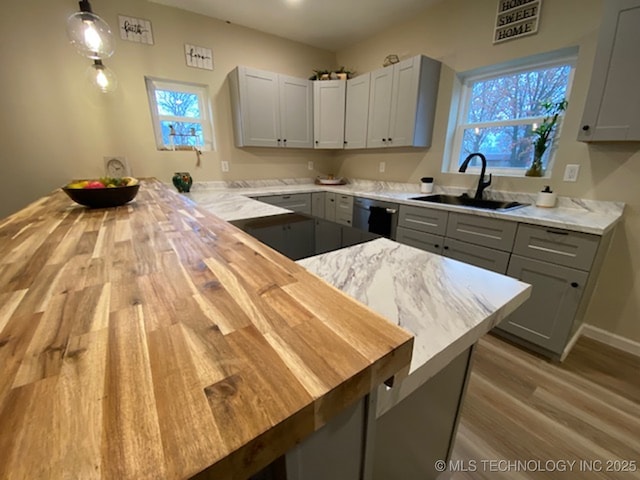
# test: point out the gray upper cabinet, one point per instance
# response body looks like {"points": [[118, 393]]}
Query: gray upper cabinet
{"points": [[402, 99], [271, 110], [329, 98], [612, 109], [357, 112]]}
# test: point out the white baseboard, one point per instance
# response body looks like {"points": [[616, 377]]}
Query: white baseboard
{"points": [[611, 339], [572, 341]]}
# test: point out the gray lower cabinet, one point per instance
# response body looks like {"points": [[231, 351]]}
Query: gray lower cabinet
{"points": [[483, 257], [424, 241], [561, 265], [547, 317], [330, 206], [403, 443], [318, 200], [344, 209], [298, 202]]}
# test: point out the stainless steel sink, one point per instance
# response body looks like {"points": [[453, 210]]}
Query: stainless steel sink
{"points": [[465, 201]]}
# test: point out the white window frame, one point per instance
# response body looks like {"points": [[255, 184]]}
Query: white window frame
{"points": [[563, 57], [205, 120]]}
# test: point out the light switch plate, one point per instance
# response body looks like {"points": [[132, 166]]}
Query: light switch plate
{"points": [[571, 172], [310, 164], [224, 165], [383, 167]]}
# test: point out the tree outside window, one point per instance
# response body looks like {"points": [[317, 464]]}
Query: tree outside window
{"points": [[500, 111]]}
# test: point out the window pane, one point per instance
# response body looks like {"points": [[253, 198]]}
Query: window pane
{"points": [[517, 95], [178, 104], [185, 133], [509, 147]]}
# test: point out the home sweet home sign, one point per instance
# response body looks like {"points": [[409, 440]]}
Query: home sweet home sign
{"points": [[516, 18]]}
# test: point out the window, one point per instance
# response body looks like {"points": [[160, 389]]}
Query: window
{"points": [[501, 106], [181, 115]]}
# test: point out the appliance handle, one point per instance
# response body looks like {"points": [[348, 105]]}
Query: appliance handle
{"points": [[391, 211]]}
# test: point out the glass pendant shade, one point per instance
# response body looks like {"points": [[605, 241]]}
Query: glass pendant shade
{"points": [[102, 77], [90, 35]]}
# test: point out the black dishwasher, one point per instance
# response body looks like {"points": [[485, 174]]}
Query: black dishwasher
{"points": [[375, 216]]}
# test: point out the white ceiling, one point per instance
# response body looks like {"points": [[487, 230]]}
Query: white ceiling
{"points": [[327, 24]]}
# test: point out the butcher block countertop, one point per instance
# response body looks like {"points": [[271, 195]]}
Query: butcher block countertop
{"points": [[155, 340]]}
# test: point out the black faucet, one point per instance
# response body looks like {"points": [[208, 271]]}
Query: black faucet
{"points": [[481, 183]]}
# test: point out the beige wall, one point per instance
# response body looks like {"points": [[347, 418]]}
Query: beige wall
{"points": [[56, 128], [459, 33]]}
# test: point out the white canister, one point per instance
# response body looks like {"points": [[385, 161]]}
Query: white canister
{"points": [[426, 184], [546, 198]]}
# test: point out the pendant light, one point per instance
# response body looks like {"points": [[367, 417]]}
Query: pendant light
{"points": [[90, 34], [102, 77]]}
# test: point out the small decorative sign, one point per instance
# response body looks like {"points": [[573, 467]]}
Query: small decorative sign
{"points": [[516, 18], [135, 29], [198, 57]]}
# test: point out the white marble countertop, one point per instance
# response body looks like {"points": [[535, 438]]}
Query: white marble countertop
{"points": [[230, 201], [446, 304]]}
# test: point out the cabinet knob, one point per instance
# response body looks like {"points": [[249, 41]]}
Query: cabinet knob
{"points": [[575, 284], [279, 140], [446, 247], [345, 142], [285, 140], [437, 246], [384, 139], [389, 139], [585, 127], [317, 142]]}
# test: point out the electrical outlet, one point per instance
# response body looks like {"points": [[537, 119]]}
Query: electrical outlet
{"points": [[310, 164], [383, 167], [224, 165], [571, 172]]}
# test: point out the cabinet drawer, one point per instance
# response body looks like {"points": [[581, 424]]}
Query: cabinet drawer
{"points": [[344, 203], [298, 202], [423, 219], [482, 257], [422, 240], [484, 231], [344, 218], [560, 247], [330, 206]]}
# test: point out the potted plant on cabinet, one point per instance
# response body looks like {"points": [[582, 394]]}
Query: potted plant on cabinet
{"points": [[543, 135]]}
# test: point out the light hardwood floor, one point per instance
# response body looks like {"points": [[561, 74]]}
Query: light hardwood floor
{"points": [[521, 407]]}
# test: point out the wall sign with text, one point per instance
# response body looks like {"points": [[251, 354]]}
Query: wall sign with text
{"points": [[135, 29], [516, 18], [198, 57]]}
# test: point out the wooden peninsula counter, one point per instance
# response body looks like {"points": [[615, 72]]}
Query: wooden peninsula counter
{"points": [[155, 340]]}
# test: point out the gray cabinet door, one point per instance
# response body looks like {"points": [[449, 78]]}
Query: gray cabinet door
{"points": [[545, 319], [482, 257], [612, 108], [330, 206], [318, 200], [423, 241]]}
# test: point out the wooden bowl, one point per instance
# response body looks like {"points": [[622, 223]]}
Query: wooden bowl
{"points": [[102, 197]]}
